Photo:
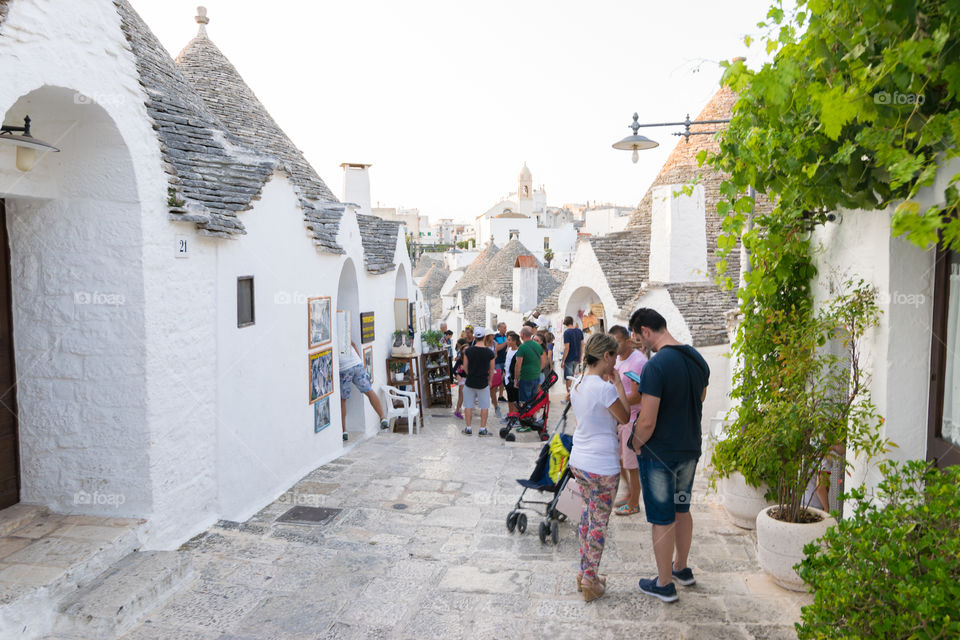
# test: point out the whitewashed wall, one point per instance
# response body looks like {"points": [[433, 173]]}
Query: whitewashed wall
{"points": [[658, 299], [897, 352], [79, 290], [586, 273], [265, 422]]}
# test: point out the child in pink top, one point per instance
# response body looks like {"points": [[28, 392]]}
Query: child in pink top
{"points": [[629, 358]]}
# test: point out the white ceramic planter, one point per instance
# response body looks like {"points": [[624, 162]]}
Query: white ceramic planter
{"points": [[741, 502], [780, 546]]}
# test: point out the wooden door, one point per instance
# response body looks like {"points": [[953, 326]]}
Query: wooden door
{"points": [[9, 442]]}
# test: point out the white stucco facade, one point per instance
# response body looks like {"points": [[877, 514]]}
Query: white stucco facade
{"points": [[678, 237], [897, 352], [134, 381], [586, 285]]}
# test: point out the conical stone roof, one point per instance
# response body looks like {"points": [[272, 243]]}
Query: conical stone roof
{"points": [[225, 94]]}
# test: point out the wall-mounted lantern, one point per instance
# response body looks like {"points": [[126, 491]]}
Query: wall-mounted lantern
{"points": [[25, 143]]}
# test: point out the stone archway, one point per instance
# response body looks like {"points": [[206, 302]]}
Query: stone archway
{"points": [[580, 300], [348, 300], [76, 253]]}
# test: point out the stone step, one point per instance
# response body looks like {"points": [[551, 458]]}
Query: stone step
{"points": [[48, 559], [13, 518], [123, 595]]}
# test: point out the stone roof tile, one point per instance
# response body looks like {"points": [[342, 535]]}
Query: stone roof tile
{"points": [[379, 240], [212, 174], [624, 257]]}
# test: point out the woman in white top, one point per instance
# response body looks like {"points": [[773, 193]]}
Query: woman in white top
{"points": [[600, 404]]}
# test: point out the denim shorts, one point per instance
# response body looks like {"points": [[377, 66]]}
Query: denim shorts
{"points": [[527, 389], [358, 376], [666, 488], [569, 369]]}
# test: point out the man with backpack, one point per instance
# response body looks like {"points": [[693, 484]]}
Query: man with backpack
{"points": [[666, 435]]}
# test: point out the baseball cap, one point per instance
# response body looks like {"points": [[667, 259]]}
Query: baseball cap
{"points": [[478, 332]]}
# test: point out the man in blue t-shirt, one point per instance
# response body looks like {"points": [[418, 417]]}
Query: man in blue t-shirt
{"points": [[572, 350], [673, 384]]}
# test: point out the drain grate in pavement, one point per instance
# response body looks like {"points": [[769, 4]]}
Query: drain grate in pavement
{"points": [[400, 506], [308, 515]]}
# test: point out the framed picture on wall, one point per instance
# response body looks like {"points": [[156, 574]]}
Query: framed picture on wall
{"points": [[321, 374], [321, 415], [400, 311], [318, 321], [368, 361]]}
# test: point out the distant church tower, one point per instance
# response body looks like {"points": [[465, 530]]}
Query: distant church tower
{"points": [[525, 184], [525, 191]]}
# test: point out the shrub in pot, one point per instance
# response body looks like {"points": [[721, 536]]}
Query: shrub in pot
{"points": [[892, 569], [799, 400], [432, 339]]}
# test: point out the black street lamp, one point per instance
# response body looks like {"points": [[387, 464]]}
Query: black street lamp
{"points": [[636, 142]]}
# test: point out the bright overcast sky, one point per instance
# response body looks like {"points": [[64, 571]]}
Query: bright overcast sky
{"points": [[448, 99]]}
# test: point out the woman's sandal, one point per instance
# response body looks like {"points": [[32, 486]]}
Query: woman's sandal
{"points": [[603, 581], [592, 590], [626, 510]]}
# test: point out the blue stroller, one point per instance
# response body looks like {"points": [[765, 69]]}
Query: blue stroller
{"points": [[541, 482]]}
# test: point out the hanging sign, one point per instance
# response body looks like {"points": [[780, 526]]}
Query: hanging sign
{"points": [[366, 327]]}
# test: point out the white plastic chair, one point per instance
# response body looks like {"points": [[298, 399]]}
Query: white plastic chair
{"points": [[402, 404]]}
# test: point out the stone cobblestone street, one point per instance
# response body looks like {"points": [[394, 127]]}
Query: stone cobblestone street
{"points": [[420, 550]]}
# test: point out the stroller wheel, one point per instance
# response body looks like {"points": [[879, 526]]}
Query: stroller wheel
{"points": [[512, 521], [554, 532], [522, 523], [510, 437], [544, 531], [504, 431], [544, 436]]}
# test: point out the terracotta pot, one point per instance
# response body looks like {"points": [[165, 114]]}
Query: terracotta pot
{"points": [[780, 545], [741, 502]]}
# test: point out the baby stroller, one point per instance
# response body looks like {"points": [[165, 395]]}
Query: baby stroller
{"points": [[541, 481], [526, 414]]}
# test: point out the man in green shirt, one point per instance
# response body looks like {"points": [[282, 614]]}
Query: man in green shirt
{"points": [[530, 362]]}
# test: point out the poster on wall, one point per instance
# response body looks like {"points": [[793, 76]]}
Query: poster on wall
{"points": [[413, 316], [368, 361], [321, 374], [400, 314], [366, 327], [318, 321], [344, 332], [321, 415]]}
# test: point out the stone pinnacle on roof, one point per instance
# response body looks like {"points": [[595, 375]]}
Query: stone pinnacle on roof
{"points": [[203, 21]]}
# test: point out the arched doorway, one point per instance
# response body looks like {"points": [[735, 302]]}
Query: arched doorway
{"points": [[77, 309], [348, 301], [580, 303]]}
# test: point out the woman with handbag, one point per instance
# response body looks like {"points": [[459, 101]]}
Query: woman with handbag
{"points": [[600, 404]]}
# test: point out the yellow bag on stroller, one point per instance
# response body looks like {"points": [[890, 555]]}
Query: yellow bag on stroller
{"points": [[559, 456]]}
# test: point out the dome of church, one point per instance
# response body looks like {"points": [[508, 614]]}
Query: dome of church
{"points": [[525, 173]]}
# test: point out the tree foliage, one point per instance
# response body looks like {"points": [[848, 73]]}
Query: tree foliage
{"points": [[892, 570], [858, 109]]}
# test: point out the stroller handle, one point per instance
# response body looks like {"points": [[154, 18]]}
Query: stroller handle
{"points": [[566, 410]]}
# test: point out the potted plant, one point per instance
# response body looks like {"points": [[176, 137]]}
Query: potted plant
{"points": [[432, 339], [402, 343], [805, 399], [397, 371]]}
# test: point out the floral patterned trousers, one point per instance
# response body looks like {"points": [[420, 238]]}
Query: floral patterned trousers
{"points": [[598, 494]]}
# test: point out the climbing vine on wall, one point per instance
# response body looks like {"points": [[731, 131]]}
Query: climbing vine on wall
{"points": [[858, 109]]}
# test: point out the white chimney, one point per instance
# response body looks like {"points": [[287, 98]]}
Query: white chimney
{"points": [[525, 283], [678, 235], [356, 185]]}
